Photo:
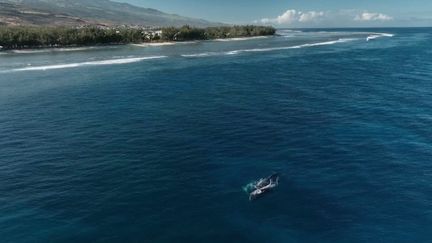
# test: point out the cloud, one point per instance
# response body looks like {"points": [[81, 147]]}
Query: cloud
{"points": [[311, 16], [293, 16], [367, 16], [288, 17], [343, 17]]}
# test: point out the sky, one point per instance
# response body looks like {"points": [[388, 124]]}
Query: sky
{"points": [[301, 13]]}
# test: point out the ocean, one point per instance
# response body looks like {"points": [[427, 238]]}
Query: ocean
{"points": [[153, 143]]}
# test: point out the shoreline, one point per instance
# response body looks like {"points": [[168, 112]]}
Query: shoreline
{"points": [[39, 37], [142, 44]]}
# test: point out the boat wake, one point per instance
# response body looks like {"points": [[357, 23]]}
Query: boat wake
{"points": [[92, 63]]}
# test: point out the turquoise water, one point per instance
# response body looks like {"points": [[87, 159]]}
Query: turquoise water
{"points": [[154, 143]]}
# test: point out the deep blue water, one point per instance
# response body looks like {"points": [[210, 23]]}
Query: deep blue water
{"points": [[105, 145]]}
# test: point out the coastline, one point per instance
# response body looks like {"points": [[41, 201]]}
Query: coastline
{"points": [[101, 46], [27, 37]]}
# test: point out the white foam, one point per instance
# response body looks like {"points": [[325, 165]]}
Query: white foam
{"points": [[387, 34], [299, 46], [232, 52], [290, 31], [29, 51], [205, 54], [186, 42], [165, 43], [92, 63], [76, 49], [372, 37], [241, 38], [378, 35], [155, 44], [325, 43], [235, 52], [70, 49]]}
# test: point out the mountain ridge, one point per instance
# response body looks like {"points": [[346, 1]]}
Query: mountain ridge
{"points": [[96, 12]]}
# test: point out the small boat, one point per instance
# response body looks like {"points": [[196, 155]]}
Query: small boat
{"points": [[262, 186]]}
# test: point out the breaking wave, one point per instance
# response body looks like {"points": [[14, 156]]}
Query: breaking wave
{"points": [[205, 54], [235, 52], [241, 38], [92, 63], [155, 44], [325, 43], [288, 33], [70, 49], [164, 43], [378, 35]]}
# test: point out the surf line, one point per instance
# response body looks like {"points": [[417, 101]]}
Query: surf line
{"points": [[374, 36], [92, 63], [227, 53]]}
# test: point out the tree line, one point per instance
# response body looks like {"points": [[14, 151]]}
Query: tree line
{"points": [[19, 37], [186, 33]]}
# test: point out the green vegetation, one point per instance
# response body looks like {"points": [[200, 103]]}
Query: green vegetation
{"points": [[186, 33], [38, 37]]}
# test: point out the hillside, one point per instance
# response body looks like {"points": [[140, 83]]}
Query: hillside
{"points": [[81, 12]]}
